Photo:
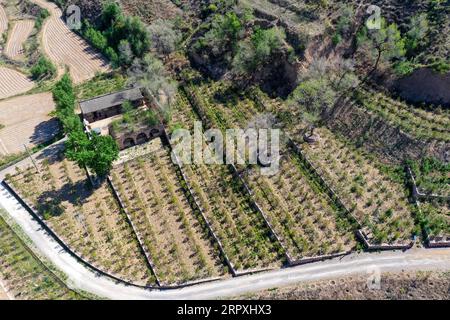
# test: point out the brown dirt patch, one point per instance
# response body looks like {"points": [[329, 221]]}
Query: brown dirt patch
{"points": [[26, 120], [403, 286], [19, 34], [13, 83]]}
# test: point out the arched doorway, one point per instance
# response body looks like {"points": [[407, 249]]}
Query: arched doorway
{"points": [[141, 138], [154, 133], [128, 142]]}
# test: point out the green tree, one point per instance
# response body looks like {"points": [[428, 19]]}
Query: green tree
{"points": [[381, 45], [418, 29], [312, 97], [44, 68], [97, 153], [106, 152], [257, 51], [78, 148]]}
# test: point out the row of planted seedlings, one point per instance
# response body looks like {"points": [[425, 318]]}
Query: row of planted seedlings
{"points": [[170, 230], [434, 218], [431, 177], [304, 219], [87, 219], [413, 120], [26, 277], [243, 233], [376, 200]]}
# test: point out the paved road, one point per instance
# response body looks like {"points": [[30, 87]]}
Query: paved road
{"points": [[82, 278]]}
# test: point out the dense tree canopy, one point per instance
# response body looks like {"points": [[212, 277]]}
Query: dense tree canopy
{"points": [[257, 51], [96, 153], [119, 37]]}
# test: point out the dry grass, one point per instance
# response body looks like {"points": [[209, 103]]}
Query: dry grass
{"points": [[88, 220], [13, 83], [19, 34], [171, 231], [26, 120]]}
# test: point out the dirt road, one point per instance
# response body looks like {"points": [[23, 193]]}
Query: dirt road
{"points": [[81, 277]]}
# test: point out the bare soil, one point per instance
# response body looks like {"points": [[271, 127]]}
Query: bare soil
{"points": [[65, 48], [400, 286], [19, 34], [26, 120], [3, 21], [13, 83]]}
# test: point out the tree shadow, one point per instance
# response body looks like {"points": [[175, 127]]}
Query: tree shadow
{"points": [[45, 131], [52, 154], [51, 202]]}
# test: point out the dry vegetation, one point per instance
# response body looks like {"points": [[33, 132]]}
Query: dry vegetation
{"points": [[421, 285], [87, 219], [65, 48], [19, 34], [13, 83], [240, 228], [24, 275], [26, 120], [171, 231], [149, 11]]}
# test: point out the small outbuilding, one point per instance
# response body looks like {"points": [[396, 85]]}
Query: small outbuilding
{"points": [[110, 105]]}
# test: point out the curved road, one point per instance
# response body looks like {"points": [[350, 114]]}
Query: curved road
{"points": [[82, 278]]}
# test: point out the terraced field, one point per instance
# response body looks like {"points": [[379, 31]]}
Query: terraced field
{"points": [[415, 121], [26, 120], [436, 219], [24, 275], [19, 34], [240, 228], [171, 231], [65, 48], [13, 83], [3, 21], [379, 204], [303, 217], [87, 219]]}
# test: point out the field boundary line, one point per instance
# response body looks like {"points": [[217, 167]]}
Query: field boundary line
{"points": [[138, 237], [199, 208], [429, 242], [87, 264], [37, 258]]}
